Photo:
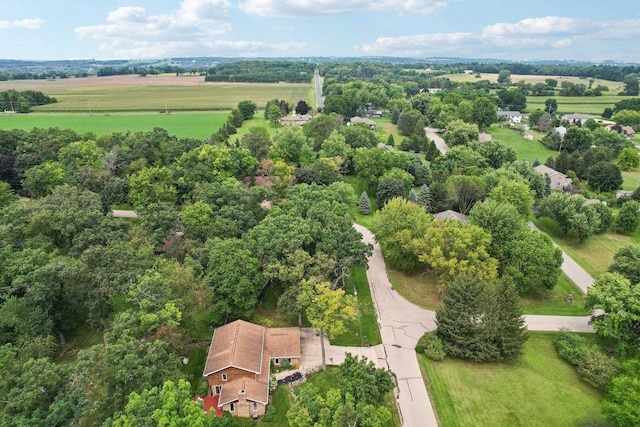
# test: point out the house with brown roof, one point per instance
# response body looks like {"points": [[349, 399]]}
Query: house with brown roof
{"points": [[295, 120], [361, 120], [559, 181], [239, 361], [449, 214]]}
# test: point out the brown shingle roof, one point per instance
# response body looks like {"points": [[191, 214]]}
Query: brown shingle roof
{"points": [[252, 390], [282, 342], [238, 344]]}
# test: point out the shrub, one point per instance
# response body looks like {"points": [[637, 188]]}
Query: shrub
{"points": [[270, 415], [593, 366], [431, 346]]}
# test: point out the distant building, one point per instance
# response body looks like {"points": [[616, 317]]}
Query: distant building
{"points": [[559, 181], [576, 118], [295, 120], [627, 131], [623, 194], [560, 130], [362, 120], [468, 71], [449, 214], [510, 116], [373, 113]]}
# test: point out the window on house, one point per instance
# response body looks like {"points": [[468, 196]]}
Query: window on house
{"points": [[277, 361], [255, 406], [232, 407], [224, 377], [218, 389], [289, 359]]}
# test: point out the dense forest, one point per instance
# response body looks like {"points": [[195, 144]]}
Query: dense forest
{"points": [[22, 101], [262, 72]]}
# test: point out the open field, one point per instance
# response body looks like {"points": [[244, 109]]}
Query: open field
{"points": [[538, 389], [594, 105], [194, 125], [614, 87], [134, 93], [525, 149]]}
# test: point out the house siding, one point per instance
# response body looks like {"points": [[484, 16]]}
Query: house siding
{"points": [[232, 375], [244, 408]]}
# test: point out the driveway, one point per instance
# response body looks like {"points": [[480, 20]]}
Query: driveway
{"points": [[433, 135]]}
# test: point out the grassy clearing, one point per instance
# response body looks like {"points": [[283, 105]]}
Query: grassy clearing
{"points": [[267, 309], [576, 104], [364, 330], [421, 289], [202, 97], [193, 125], [595, 255], [538, 389], [358, 187], [525, 149], [630, 180], [554, 302], [81, 338], [193, 369]]}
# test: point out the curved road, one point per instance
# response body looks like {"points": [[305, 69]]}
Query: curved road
{"points": [[319, 100], [403, 323]]}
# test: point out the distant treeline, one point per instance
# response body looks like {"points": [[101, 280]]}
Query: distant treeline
{"points": [[262, 72], [606, 72], [21, 102], [144, 70]]}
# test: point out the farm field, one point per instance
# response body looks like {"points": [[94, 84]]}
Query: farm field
{"points": [[593, 105], [537, 389], [134, 93], [192, 125], [614, 87]]}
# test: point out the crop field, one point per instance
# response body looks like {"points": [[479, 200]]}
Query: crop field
{"points": [[135, 93], [576, 104], [614, 87], [192, 125]]}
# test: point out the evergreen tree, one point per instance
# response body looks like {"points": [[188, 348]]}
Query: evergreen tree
{"points": [[535, 163], [424, 198], [547, 185], [481, 322], [636, 194], [391, 140], [412, 196], [365, 204]]}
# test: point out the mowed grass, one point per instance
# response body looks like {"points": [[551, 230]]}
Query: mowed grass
{"points": [[204, 97], [358, 187], [630, 180], [594, 105], [363, 330], [192, 125], [614, 87], [525, 149], [596, 254], [421, 289], [281, 401], [537, 389]]}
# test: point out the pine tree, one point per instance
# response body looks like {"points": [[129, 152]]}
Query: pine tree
{"points": [[412, 196], [547, 185], [509, 325], [391, 140], [365, 204], [424, 198]]}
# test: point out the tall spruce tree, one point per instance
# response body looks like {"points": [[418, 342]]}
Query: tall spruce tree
{"points": [[412, 196], [424, 198], [365, 204], [481, 322]]}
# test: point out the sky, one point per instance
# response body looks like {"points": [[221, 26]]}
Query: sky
{"points": [[583, 30]]}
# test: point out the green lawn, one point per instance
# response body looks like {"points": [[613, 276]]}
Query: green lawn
{"points": [[525, 149], [194, 125], [631, 180], [593, 105], [420, 288], [364, 330], [595, 255], [358, 187], [281, 401], [538, 389]]}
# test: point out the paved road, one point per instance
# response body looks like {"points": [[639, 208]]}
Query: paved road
{"points": [[401, 324], [433, 135], [319, 99], [577, 274]]}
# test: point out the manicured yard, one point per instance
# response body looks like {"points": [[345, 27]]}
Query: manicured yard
{"points": [[363, 330], [525, 149], [593, 105], [631, 180], [595, 255], [358, 187], [538, 389], [281, 400], [420, 288]]}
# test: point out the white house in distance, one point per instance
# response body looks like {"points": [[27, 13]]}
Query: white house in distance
{"points": [[510, 116], [559, 181], [576, 118]]}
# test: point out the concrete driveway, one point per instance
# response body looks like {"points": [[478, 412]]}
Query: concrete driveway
{"points": [[433, 135]]}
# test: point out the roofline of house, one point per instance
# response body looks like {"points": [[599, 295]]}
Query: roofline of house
{"points": [[235, 399], [205, 375]]}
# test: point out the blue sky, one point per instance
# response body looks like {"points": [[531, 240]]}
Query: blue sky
{"points": [[133, 29]]}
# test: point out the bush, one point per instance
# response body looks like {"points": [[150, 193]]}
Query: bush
{"points": [[593, 366], [431, 346], [270, 415]]}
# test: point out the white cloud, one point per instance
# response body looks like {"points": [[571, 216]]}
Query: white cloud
{"points": [[133, 29], [550, 34], [27, 24], [297, 8]]}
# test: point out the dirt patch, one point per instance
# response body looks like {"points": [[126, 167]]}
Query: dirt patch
{"points": [[111, 81]]}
